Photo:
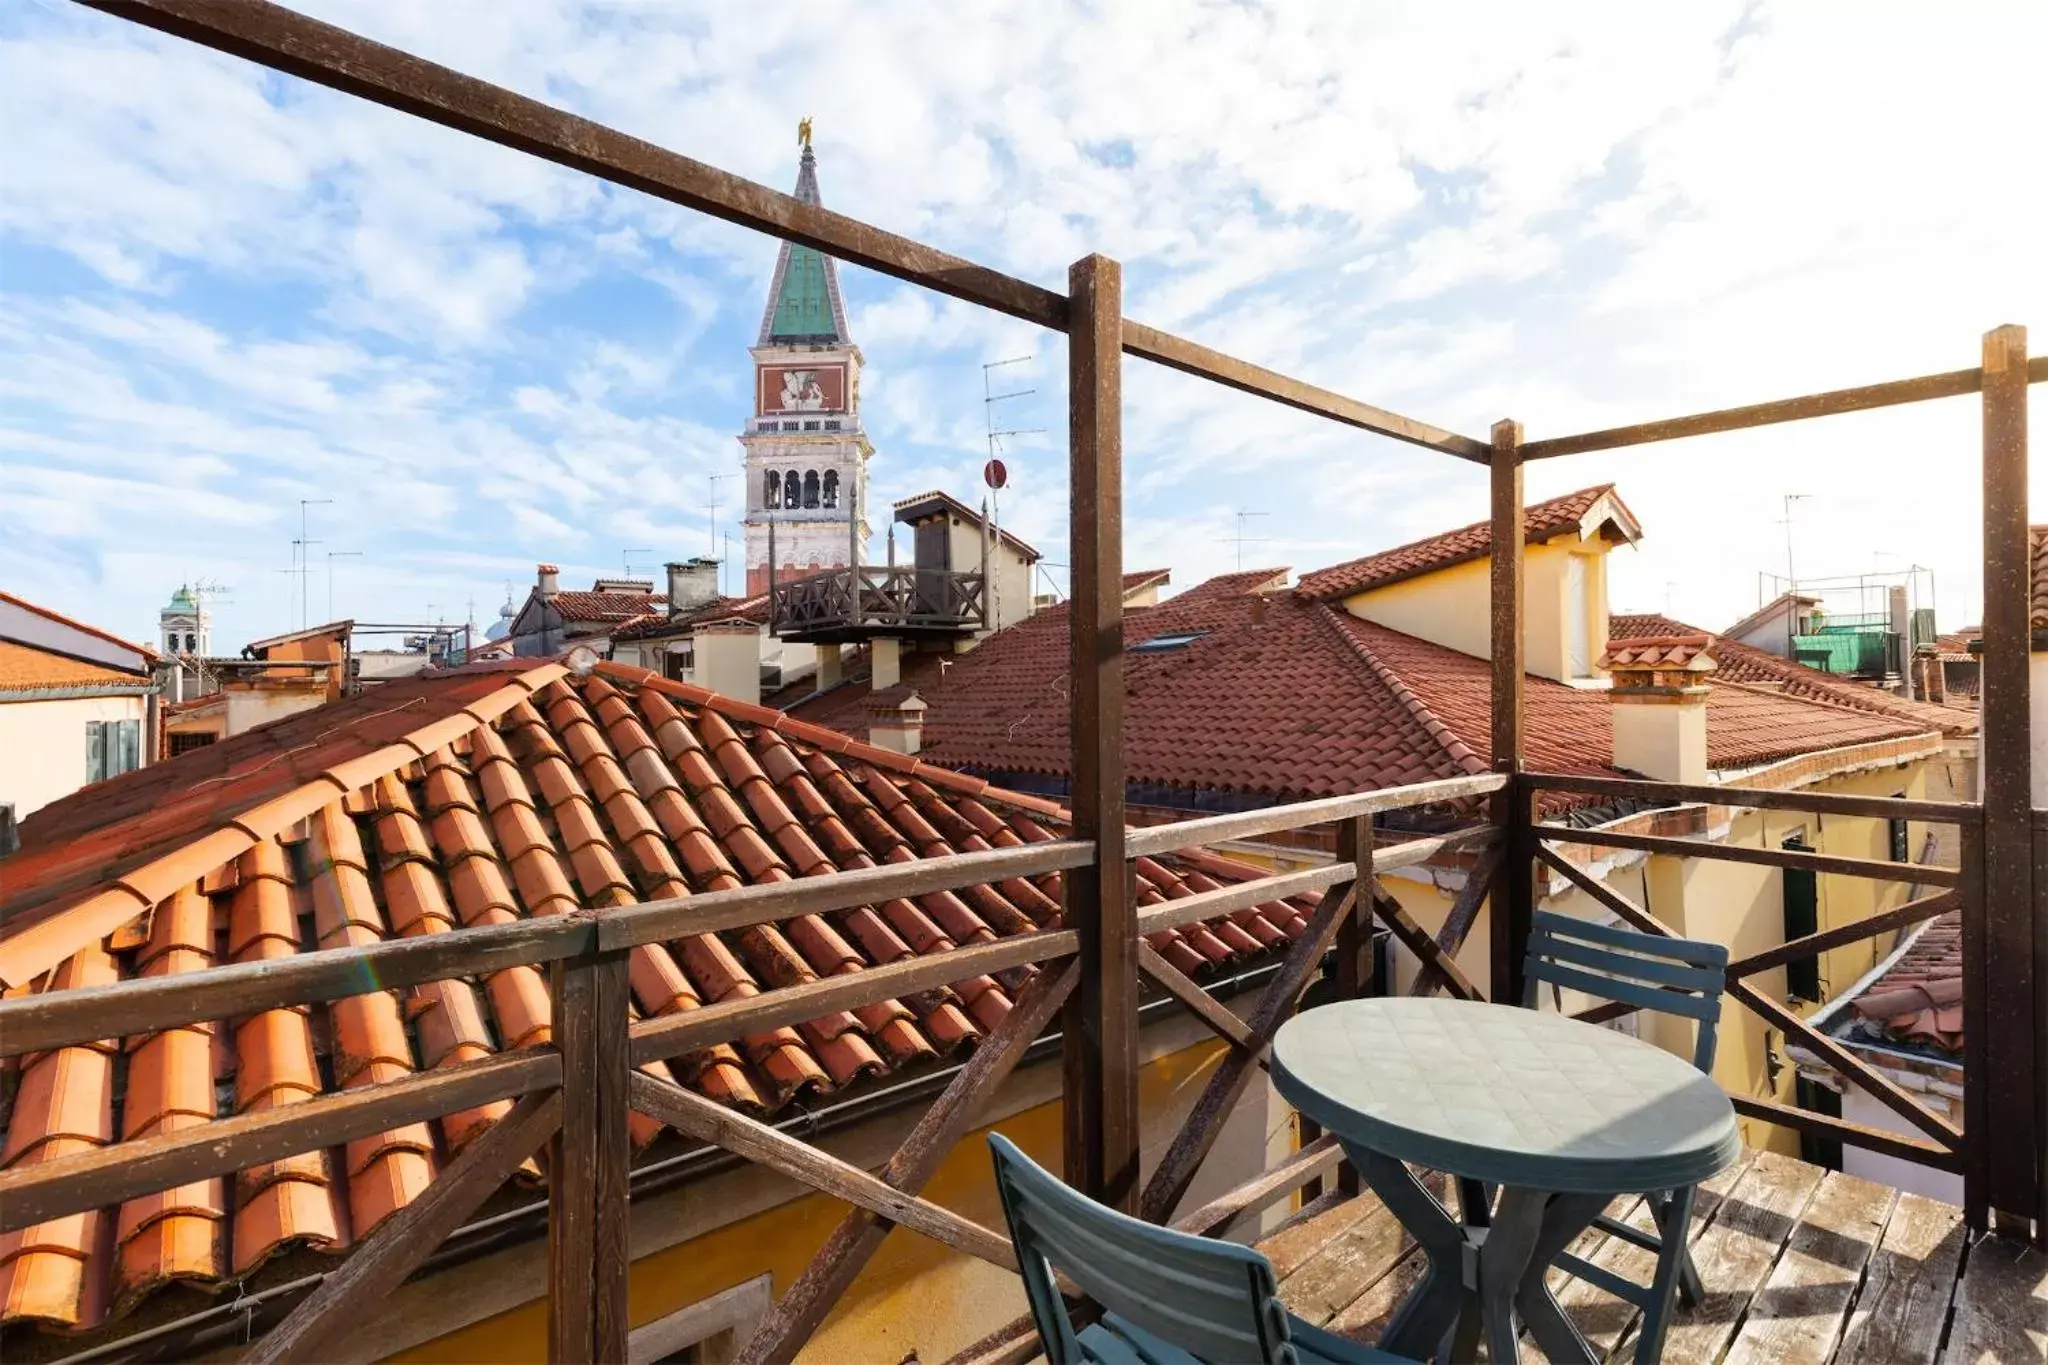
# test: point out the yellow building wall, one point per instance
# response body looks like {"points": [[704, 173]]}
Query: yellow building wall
{"points": [[914, 1297], [1452, 607]]}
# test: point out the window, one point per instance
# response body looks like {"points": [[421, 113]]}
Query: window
{"points": [[112, 747], [186, 743], [1159, 644], [1901, 840], [191, 642], [811, 488], [1802, 917], [831, 424], [771, 490], [1578, 619], [831, 494], [789, 426], [792, 489]]}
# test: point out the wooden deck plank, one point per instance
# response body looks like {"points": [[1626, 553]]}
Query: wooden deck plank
{"points": [[1601, 1318], [1311, 1228], [1366, 1317], [1351, 1264], [1797, 1317], [2001, 1305], [1899, 1315], [1736, 1253]]}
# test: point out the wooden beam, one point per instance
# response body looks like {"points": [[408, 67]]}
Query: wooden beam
{"points": [[770, 902], [37, 1023], [1154, 840], [1953, 384], [1185, 989], [588, 1252], [355, 1290], [1263, 1190], [1417, 940], [1802, 1034], [1901, 917], [1221, 900], [1928, 1154], [1464, 912], [123, 1170], [1514, 878], [2010, 1057], [1204, 1123], [1876, 868], [1630, 913], [1762, 798], [1149, 343], [1100, 1049], [729, 1020], [840, 1260], [705, 1121]]}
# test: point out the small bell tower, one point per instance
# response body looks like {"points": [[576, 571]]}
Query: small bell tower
{"points": [[806, 454]]}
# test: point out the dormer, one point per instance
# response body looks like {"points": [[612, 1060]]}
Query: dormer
{"points": [[1439, 589]]}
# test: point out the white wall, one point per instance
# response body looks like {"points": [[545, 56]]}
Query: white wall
{"points": [[2037, 685], [42, 746], [251, 707], [1859, 1107]]}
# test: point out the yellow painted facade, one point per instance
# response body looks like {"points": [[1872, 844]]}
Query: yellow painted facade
{"points": [[915, 1296], [1450, 607]]}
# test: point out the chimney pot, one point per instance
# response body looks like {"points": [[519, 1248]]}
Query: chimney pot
{"points": [[1659, 694], [897, 722], [549, 580]]}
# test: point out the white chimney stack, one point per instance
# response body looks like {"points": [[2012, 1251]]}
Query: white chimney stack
{"points": [[1660, 705], [549, 580], [728, 659], [897, 723], [691, 584]]}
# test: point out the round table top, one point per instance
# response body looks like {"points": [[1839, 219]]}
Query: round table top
{"points": [[1505, 1095]]}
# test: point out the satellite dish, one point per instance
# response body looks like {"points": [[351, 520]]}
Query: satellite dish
{"points": [[995, 474]]}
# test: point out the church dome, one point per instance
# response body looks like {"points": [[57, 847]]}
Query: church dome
{"points": [[503, 625], [182, 602]]}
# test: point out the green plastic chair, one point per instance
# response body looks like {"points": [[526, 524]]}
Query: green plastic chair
{"points": [[1169, 1298], [1676, 976]]}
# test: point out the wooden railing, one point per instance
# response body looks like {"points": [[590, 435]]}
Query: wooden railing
{"points": [[573, 1094], [875, 599]]}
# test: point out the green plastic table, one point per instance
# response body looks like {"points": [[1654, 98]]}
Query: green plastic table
{"points": [[1562, 1115]]}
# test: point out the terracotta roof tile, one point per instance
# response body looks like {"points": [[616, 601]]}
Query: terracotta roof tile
{"points": [[602, 790], [1919, 998], [24, 668], [1542, 521]]}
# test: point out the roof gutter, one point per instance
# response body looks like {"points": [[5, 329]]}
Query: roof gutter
{"points": [[135, 689]]}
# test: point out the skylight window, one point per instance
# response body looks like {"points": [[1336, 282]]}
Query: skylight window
{"points": [[1159, 644]]}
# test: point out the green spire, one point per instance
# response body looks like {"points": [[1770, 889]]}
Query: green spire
{"points": [[803, 301]]}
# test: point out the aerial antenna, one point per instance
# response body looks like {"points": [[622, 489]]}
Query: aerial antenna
{"points": [[1791, 578], [989, 399], [302, 552], [626, 558], [1241, 539], [333, 555], [716, 478]]}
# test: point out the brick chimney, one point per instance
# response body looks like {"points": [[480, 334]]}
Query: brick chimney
{"points": [[691, 584], [1660, 705], [728, 659], [896, 721], [1928, 682], [549, 579]]}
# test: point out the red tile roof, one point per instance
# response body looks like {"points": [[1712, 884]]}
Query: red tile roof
{"points": [[605, 606], [469, 798], [1919, 999], [1543, 520], [1279, 695], [24, 668], [1737, 662], [2037, 587], [651, 625]]}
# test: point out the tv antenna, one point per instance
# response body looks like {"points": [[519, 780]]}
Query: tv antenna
{"points": [[989, 399], [302, 552], [1791, 578], [333, 555], [1241, 539], [715, 480]]}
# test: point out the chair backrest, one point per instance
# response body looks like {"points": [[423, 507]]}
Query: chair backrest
{"points": [[1214, 1299], [1673, 975]]}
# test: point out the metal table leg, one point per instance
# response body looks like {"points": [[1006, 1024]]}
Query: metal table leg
{"points": [[1433, 1307]]}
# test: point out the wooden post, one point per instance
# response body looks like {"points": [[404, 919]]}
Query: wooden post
{"points": [[2004, 1056], [773, 620], [1514, 879], [588, 1254], [1101, 1024]]}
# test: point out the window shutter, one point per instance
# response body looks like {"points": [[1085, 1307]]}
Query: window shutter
{"points": [[129, 735], [95, 751], [1802, 917]]}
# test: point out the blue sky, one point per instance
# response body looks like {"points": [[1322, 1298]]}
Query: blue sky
{"points": [[223, 291]]}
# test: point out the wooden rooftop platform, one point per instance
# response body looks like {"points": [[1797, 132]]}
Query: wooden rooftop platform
{"points": [[1801, 1265]]}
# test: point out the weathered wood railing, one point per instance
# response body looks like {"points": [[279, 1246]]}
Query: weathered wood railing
{"points": [[876, 599], [573, 1094]]}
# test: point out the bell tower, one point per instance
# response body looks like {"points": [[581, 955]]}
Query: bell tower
{"points": [[806, 454]]}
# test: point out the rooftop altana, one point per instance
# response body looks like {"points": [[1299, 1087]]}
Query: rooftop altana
{"points": [[580, 1100]]}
